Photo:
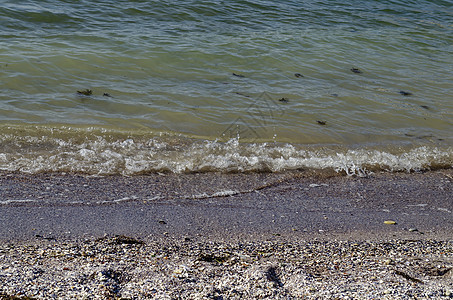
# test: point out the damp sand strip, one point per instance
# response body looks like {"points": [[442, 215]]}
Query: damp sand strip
{"points": [[217, 206]]}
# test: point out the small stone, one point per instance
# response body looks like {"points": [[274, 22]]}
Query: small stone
{"points": [[390, 222], [413, 229]]}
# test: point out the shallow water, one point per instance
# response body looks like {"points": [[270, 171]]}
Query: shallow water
{"points": [[165, 95]]}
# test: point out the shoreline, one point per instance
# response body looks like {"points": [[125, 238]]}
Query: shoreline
{"points": [[227, 236]]}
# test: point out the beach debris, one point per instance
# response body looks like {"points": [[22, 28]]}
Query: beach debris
{"points": [[238, 75], [212, 258], [271, 275], [390, 222], [356, 70], [122, 239], [312, 185], [408, 277], [412, 229], [298, 75], [285, 100], [321, 122], [45, 237], [86, 92], [404, 93], [436, 270]]}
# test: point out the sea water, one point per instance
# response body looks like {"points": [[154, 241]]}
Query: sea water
{"points": [[130, 87]]}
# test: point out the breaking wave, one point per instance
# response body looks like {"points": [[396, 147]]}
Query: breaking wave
{"points": [[103, 152]]}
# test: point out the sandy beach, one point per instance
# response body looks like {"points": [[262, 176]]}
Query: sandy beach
{"points": [[293, 235]]}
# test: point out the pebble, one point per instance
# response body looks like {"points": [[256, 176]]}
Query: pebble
{"points": [[390, 222], [115, 268]]}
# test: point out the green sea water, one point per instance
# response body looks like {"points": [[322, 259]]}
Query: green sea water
{"points": [[186, 86]]}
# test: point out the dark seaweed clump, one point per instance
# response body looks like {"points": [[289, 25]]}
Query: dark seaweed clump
{"points": [[86, 92]]}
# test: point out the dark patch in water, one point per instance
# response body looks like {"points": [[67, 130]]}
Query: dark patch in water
{"points": [[404, 93], [356, 70], [241, 94], [238, 75], [86, 92], [285, 100], [298, 75], [322, 122]]}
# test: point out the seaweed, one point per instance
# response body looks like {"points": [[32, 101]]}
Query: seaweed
{"points": [[404, 93], [86, 92]]}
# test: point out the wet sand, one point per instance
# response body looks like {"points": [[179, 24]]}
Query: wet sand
{"points": [[227, 236], [217, 206]]}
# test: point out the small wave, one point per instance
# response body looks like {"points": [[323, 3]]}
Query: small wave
{"points": [[100, 152]]}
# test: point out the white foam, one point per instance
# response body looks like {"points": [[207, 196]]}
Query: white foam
{"points": [[16, 201], [103, 155]]}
